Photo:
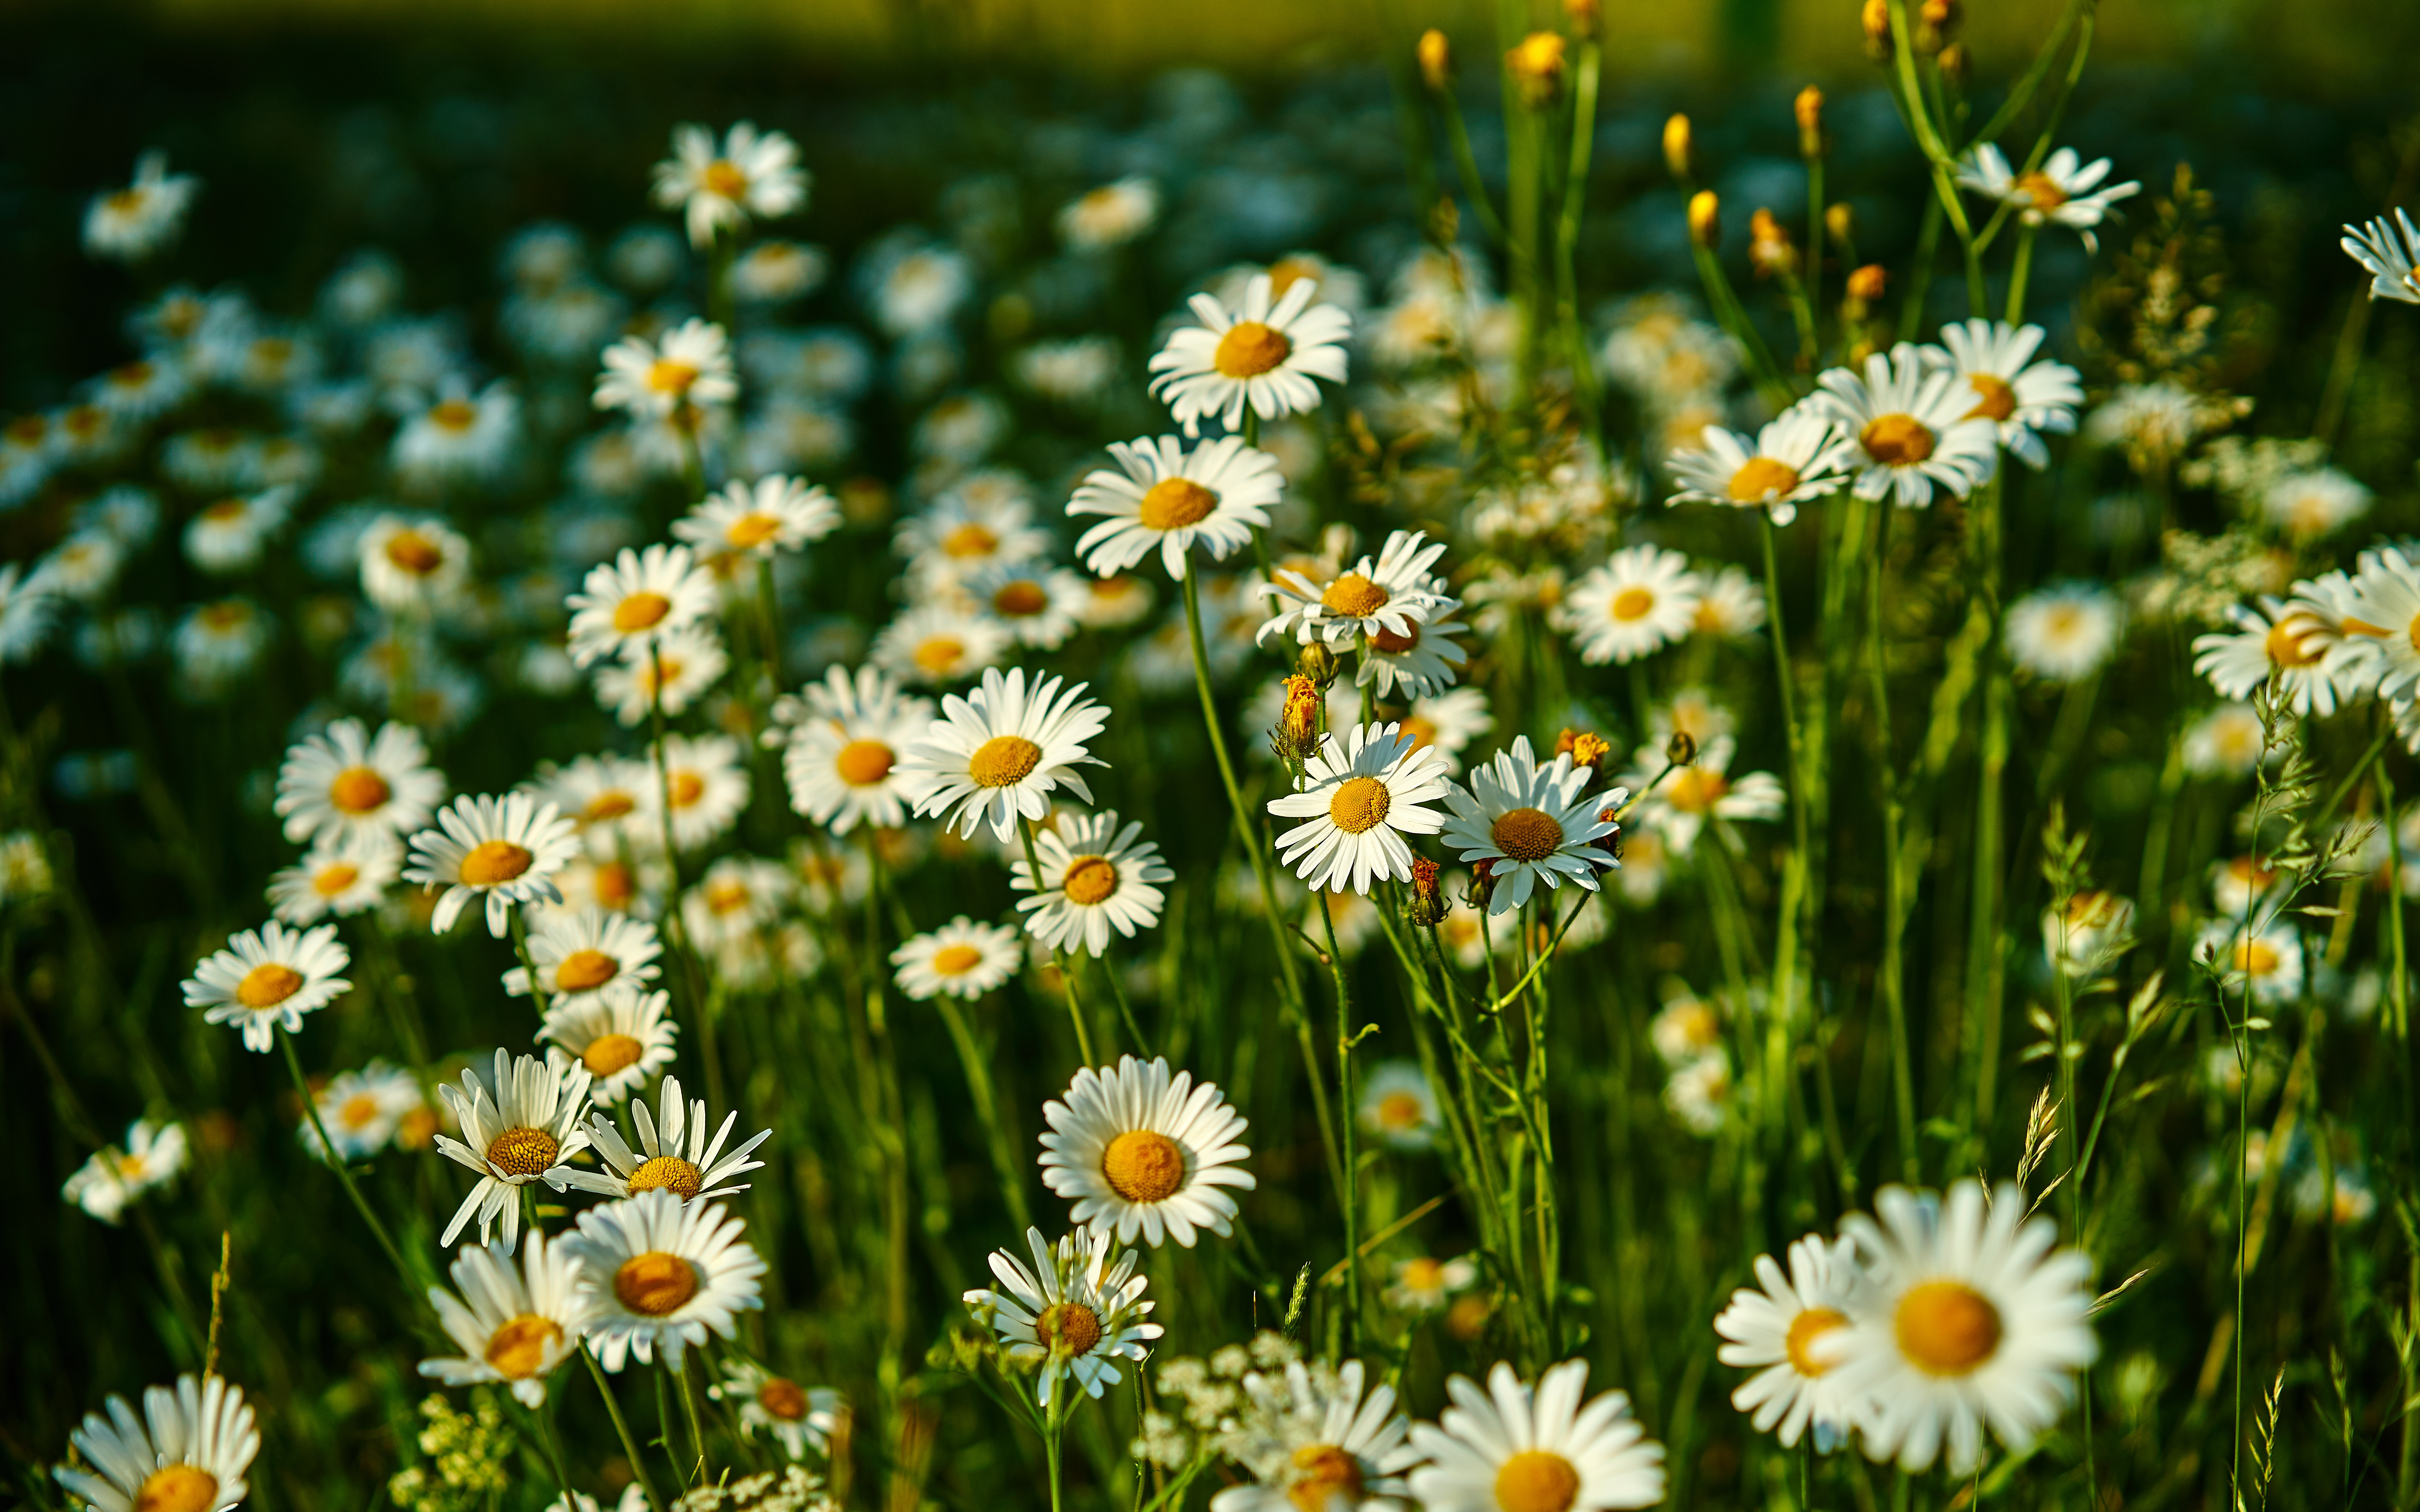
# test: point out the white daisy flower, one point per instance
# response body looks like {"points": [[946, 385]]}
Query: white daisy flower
{"points": [[2064, 633], [800, 1417], [1640, 599], [674, 670], [1313, 1442], [2239, 882], [1425, 1284], [363, 1110], [916, 288], [585, 952], [1073, 1312], [1796, 1325], [1364, 793], [151, 1157], [841, 757], [1034, 600], [753, 174], [2390, 251], [664, 1274], [1258, 354], [2226, 742], [1685, 1028], [2266, 961], [1163, 498], [2082, 937], [1532, 821], [129, 225], [215, 644], [1110, 216], [705, 780], [1730, 604], [227, 536], [84, 567], [1138, 1150], [624, 1035], [1392, 593], [962, 958], [688, 371], [2314, 503], [1512, 1448], [2064, 190], [27, 611], [519, 1125], [999, 754], [1399, 1106], [1793, 461], [459, 437], [938, 643], [413, 564], [763, 519], [735, 901], [774, 272], [1112, 603], [515, 1325], [2024, 398], [503, 850], [1680, 806], [636, 597], [601, 796], [969, 529], [1095, 877], [267, 979], [1448, 723], [1912, 427], [338, 875], [2290, 645], [187, 1453], [1973, 1320], [675, 1152], [143, 389]]}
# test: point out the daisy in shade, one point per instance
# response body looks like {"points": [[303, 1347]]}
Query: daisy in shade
{"points": [[937, 643], [1449, 722], [521, 1125], [1096, 877], [663, 1275], [1313, 1442], [1423, 660], [2026, 399], [267, 979], [1110, 216], [143, 389], [801, 1417], [228, 536], [1532, 821], [705, 783], [969, 529], [363, 1110], [2225, 742], [502, 850], [962, 958], [2287, 645], [842, 755], [762, 520], [1681, 805], [338, 876], [1512, 1449], [2265, 963], [129, 225], [152, 1155], [1399, 1106], [2384, 609], [2316, 502], [1794, 1325], [1262, 355], [675, 1152], [2066, 632], [459, 437], [671, 672], [515, 1326], [413, 564], [1362, 794], [735, 901], [344, 783], [1912, 427], [1730, 604], [1796, 459], [1074, 1313], [691, 370], [1425, 1284], [582, 953], [1973, 1320], [28, 611], [1000, 753], [187, 1453], [623, 1035], [1641, 599], [1138, 1150], [1162, 497], [636, 597], [1389, 595], [2390, 251], [1034, 600], [599, 794], [753, 174], [1112, 603], [2064, 190]]}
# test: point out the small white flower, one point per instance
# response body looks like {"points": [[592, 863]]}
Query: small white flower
{"points": [[1512, 1448], [674, 1154], [772, 516], [267, 979], [1913, 428], [664, 1274], [513, 1326], [1364, 793], [187, 1453], [1399, 1106], [413, 564], [1640, 600], [151, 1157], [1794, 1325], [962, 958], [706, 781], [1259, 354], [801, 1417], [1315, 1443], [1163, 498], [503, 850], [1110, 216], [753, 174], [2064, 633], [1141, 1151], [2024, 398], [1532, 821], [130, 225], [1095, 877], [671, 670], [1796, 459], [1073, 1312], [519, 1125], [999, 754], [2064, 190], [691, 370], [636, 597], [338, 875], [937, 643], [1390, 595]]}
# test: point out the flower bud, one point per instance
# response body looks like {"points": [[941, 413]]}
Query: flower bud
{"points": [[1610, 841], [1295, 739], [1769, 249], [1585, 750], [1317, 663], [1876, 19], [1839, 221], [1705, 217], [1588, 18], [1482, 882], [1936, 24], [1436, 59], [1955, 65], [1427, 906], [1866, 283], [1682, 748], [1810, 122], [1537, 65], [1675, 147]]}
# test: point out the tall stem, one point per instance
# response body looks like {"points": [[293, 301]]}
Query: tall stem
{"points": [[621, 1428], [1058, 957], [1890, 983], [336, 1159], [1352, 1122]]}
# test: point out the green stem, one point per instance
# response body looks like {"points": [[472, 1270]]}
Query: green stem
{"points": [[2021, 270], [1890, 983], [1352, 1124], [621, 1428], [986, 1103], [1058, 957], [336, 1160]]}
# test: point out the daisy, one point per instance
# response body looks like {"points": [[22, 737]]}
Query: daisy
{"points": [[623, 1035], [1424, 1283], [2385, 597], [582, 954], [2063, 190], [1364, 793], [1449, 722], [842, 754], [143, 389], [105, 1184], [344, 784], [1912, 427], [1073, 1312], [937, 643], [1512, 1448], [688, 371], [513, 1326], [227, 536], [519, 1125], [1972, 1319], [1680, 806], [999, 754], [1685, 1028], [664, 1274], [2266, 963], [2317, 503], [2241, 882], [1079, 371], [968, 530], [187, 1453], [217, 644], [706, 782], [129, 225], [1399, 1106], [1095, 877], [2226, 742], [2082, 937], [600, 795], [915, 288], [1112, 603], [1257, 354], [363, 1110], [800, 1416], [1315, 1443], [459, 435], [1110, 216], [1164, 498], [1640, 600], [775, 272], [2024, 398], [500, 849], [764, 519], [28, 611], [413, 564], [962, 958], [669, 672], [84, 567], [1532, 821], [1032, 599], [674, 1154], [1391, 594], [2289, 648], [735, 901], [2064, 633], [1793, 461], [339, 876], [267, 979], [1794, 1325], [634, 598], [1139, 1151], [2390, 251], [754, 174]]}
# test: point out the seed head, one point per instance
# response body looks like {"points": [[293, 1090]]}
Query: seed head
{"points": [[1681, 750]]}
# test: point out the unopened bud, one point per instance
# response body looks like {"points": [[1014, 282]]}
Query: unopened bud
{"points": [[1876, 19], [1295, 739], [1610, 841], [1705, 217], [1676, 155], [1936, 24], [1867, 283], [1839, 221], [1588, 18], [1537, 65], [1769, 249], [1427, 906], [1436, 59], [1810, 107], [1317, 663], [1954, 64], [1682, 748], [1482, 882]]}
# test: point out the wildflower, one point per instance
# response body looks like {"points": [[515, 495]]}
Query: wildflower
{"points": [[1640, 600], [2064, 633], [1111, 216], [2264, 962], [986, 520], [842, 756], [459, 437], [2314, 503], [773, 514], [188, 1451], [1399, 1106], [1536, 66], [413, 564], [674, 1154], [2286, 647], [2086, 932], [2024, 398], [1034, 599], [513, 1326], [1424, 1285], [1259, 354], [502, 850], [131, 224], [1435, 58], [1914, 426], [1074, 1313], [339, 876], [938, 643], [636, 597], [962, 958], [1793, 461], [1518, 1448], [1390, 595], [267, 979], [688, 372], [1316, 1440], [998, 754], [1698, 1093], [663, 1275], [363, 1110], [1532, 821], [153, 1156], [2064, 190], [1164, 498], [1364, 793], [2389, 251], [1701, 789], [521, 1124], [704, 782], [28, 611], [227, 537], [1138, 1150], [1093, 877], [754, 174], [799, 1417]]}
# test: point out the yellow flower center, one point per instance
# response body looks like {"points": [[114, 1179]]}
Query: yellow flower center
{"points": [[1003, 760], [969, 540], [654, 1283], [1527, 834], [1401, 1112], [783, 1398], [1695, 790], [178, 1488], [1249, 349], [2040, 191], [727, 898], [268, 984], [224, 512], [1537, 1480], [1354, 595], [1141, 1166], [1805, 1328], [751, 530], [1326, 1476], [1423, 1273], [584, 971], [862, 764], [2256, 957], [1946, 1328], [1420, 731], [1068, 1328], [1633, 604], [1019, 599], [333, 879], [615, 885], [415, 553], [493, 862], [642, 611], [454, 414], [521, 1150], [1762, 478], [1360, 804], [1090, 879], [611, 1053], [941, 655], [1997, 402], [687, 787], [1896, 440], [2290, 643], [359, 1111], [419, 1126], [359, 790], [517, 1350], [668, 1173], [667, 375], [606, 807], [1172, 504], [722, 176]]}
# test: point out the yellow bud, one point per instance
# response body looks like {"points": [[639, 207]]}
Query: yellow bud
{"points": [[1769, 249], [1705, 217], [1588, 18], [1675, 147], [1875, 17], [1840, 220], [1955, 67], [1436, 58], [1537, 65], [1810, 107], [1936, 24]]}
